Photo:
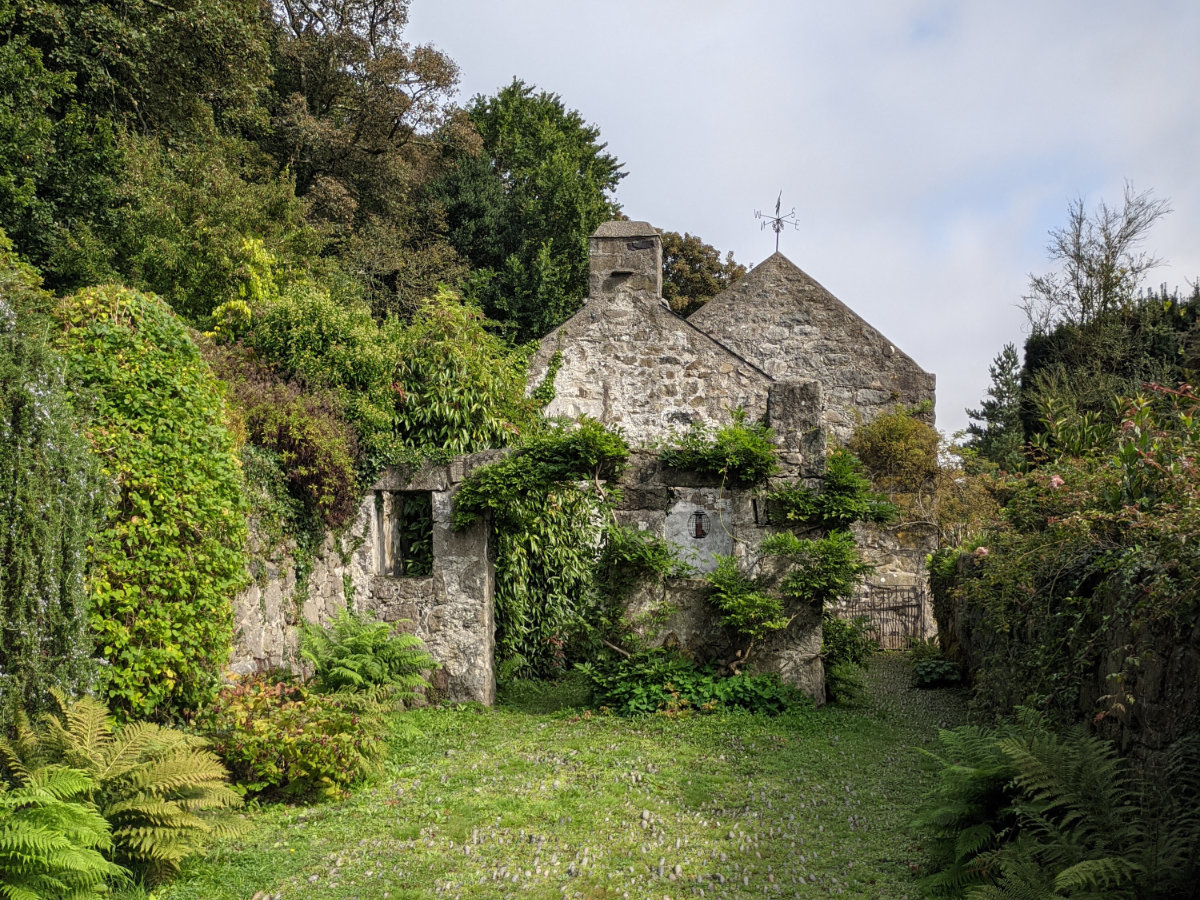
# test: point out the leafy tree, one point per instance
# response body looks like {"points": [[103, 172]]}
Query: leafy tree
{"points": [[996, 429], [81, 73], [363, 121], [522, 213], [47, 508], [693, 271]]}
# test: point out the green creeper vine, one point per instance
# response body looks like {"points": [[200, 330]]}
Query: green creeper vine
{"points": [[548, 508], [168, 560]]}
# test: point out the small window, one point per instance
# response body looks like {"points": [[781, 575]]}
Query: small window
{"points": [[405, 540], [698, 525]]}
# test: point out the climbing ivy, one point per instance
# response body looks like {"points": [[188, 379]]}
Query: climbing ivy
{"points": [[548, 507], [845, 497], [171, 553]]}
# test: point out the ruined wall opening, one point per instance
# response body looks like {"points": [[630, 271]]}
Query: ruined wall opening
{"points": [[405, 534]]}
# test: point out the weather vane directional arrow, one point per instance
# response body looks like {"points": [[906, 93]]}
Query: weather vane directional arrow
{"points": [[779, 221]]}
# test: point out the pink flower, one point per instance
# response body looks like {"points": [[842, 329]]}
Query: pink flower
{"points": [[981, 552], [1056, 481]]}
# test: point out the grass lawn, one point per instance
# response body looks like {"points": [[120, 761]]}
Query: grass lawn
{"points": [[537, 799]]}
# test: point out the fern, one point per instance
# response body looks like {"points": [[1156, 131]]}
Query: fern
{"points": [[356, 652], [158, 788], [50, 844]]}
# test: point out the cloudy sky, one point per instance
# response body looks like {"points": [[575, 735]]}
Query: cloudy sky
{"points": [[927, 145]]}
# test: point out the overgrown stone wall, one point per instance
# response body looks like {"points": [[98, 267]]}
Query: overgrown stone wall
{"points": [[786, 324], [450, 609], [677, 612]]}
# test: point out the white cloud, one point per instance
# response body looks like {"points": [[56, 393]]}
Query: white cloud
{"points": [[927, 145]]}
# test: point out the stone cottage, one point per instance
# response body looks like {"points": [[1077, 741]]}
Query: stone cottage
{"points": [[776, 344]]}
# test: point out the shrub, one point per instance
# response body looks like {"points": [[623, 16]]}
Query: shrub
{"points": [[846, 645], [845, 498], [357, 652], [171, 554], [743, 603], [935, 672], [156, 787], [48, 507], [823, 571], [547, 509], [898, 450], [51, 839], [738, 454], [846, 640], [285, 741], [305, 429], [658, 681]]}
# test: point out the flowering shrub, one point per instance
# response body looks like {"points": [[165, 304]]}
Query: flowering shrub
{"points": [[283, 741]]}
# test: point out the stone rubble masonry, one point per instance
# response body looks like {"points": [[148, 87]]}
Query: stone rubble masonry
{"points": [[451, 610], [788, 325]]}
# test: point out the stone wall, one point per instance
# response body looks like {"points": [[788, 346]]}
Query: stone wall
{"points": [[450, 609], [677, 613], [628, 361], [789, 326]]}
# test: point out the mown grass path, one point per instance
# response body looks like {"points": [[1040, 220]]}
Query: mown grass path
{"points": [[515, 803]]}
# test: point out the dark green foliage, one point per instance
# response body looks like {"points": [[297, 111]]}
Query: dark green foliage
{"points": [[171, 554], [693, 272], [996, 431], [739, 454], [1092, 571], [548, 536], [743, 603], [658, 681], [846, 640], [51, 839], [157, 788], [823, 571], [285, 741], [48, 506], [583, 451], [935, 672], [356, 652], [846, 645], [192, 223], [1022, 811], [845, 497], [522, 212]]}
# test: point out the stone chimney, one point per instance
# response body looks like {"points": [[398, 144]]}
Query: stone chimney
{"points": [[625, 255]]}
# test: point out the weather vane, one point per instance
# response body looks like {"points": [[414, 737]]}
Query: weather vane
{"points": [[778, 221]]}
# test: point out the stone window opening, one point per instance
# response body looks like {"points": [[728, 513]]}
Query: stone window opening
{"points": [[405, 536], [698, 525]]}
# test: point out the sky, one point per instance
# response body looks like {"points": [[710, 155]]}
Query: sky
{"points": [[927, 146]]}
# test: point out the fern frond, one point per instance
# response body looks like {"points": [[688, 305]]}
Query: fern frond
{"points": [[1106, 877]]}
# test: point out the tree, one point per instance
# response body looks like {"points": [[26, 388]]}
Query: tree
{"points": [[363, 120], [48, 487], [521, 213], [693, 272], [1102, 266], [996, 431]]}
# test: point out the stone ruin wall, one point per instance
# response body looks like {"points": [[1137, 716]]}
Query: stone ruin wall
{"points": [[450, 610]]}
